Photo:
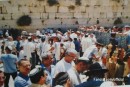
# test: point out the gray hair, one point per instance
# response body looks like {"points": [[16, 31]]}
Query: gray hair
{"points": [[71, 50], [45, 55]]}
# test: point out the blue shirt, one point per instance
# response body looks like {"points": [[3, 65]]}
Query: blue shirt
{"points": [[22, 81], [9, 63]]}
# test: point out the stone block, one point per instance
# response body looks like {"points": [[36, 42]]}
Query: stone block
{"points": [[90, 14], [52, 15], [52, 21], [66, 2], [93, 2], [24, 9], [1, 16], [105, 2], [68, 21], [44, 16], [81, 9], [64, 15], [109, 15], [9, 23], [78, 15], [17, 15], [82, 21], [42, 3], [35, 15], [6, 9], [85, 15], [40, 9], [33, 9], [7, 16], [85, 2], [51, 8], [36, 22], [103, 15], [63, 9], [96, 14], [14, 9]]}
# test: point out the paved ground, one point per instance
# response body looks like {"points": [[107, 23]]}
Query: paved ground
{"points": [[11, 82]]}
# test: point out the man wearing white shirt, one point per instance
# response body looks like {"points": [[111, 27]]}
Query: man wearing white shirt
{"points": [[75, 72], [29, 49], [66, 63]]}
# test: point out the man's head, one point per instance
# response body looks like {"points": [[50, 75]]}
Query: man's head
{"points": [[81, 64], [8, 49], [37, 76], [24, 66], [47, 59], [70, 55], [2, 78]]}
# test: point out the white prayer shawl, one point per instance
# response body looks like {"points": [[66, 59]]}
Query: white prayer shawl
{"points": [[74, 77], [71, 45], [88, 51], [73, 35], [57, 50], [85, 43], [21, 54], [28, 49], [44, 47], [38, 33], [22, 43], [62, 66]]}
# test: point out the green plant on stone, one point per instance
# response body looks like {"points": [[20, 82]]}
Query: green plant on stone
{"points": [[24, 20], [71, 7], [78, 2], [118, 21], [52, 2]]}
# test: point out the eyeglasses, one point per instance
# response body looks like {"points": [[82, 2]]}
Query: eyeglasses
{"points": [[72, 56]]}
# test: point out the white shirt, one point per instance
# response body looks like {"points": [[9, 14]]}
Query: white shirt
{"points": [[74, 76], [62, 66]]}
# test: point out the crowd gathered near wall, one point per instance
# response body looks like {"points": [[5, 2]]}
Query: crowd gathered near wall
{"points": [[84, 57]]}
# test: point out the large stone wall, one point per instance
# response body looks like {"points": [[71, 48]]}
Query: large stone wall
{"points": [[65, 14]]}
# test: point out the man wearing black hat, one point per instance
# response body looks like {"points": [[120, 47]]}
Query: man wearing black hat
{"points": [[81, 64]]}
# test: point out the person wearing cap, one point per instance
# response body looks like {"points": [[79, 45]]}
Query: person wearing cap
{"points": [[66, 63], [95, 72], [81, 64], [9, 61], [22, 79], [62, 80], [38, 77], [47, 60], [2, 78]]}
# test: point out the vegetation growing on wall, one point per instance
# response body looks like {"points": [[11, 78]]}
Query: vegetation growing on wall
{"points": [[78, 2], [24, 20], [118, 21], [52, 2], [117, 1], [71, 7]]}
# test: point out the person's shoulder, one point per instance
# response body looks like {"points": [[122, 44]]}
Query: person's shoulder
{"points": [[20, 82], [3, 55]]}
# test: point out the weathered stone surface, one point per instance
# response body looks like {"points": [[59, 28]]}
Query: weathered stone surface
{"points": [[51, 9], [52, 15], [64, 15], [66, 12], [63, 9]]}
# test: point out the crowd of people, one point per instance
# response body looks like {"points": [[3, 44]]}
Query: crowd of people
{"points": [[70, 59]]}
